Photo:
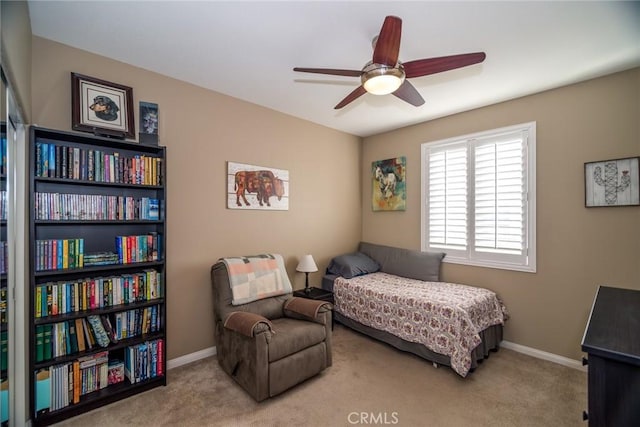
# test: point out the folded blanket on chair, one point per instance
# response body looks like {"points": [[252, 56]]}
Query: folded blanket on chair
{"points": [[255, 277]]}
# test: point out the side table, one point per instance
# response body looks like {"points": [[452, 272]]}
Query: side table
{"points": [[315, 293]]}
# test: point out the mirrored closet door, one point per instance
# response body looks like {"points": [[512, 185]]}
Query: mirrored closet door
{"points": [[12, 261], [4, 267]]}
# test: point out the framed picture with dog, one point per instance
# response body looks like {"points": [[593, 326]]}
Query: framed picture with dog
{"points": [[102, 108]]}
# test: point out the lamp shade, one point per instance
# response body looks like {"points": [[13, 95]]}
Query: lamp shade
{"points": [[307, 264]]}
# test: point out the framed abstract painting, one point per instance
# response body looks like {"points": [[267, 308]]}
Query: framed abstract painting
{"points": [[388, 184]]}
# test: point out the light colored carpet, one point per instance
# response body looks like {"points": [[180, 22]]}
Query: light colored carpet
{"points": [[370, 383]]}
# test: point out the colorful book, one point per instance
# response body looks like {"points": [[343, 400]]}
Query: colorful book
{"points": [[39, 343], [52, 161], [88, 335], [46, 342], [73, 338], [98, 330], [77, 388], [43, 391], [45, 160], [80, 335], [154, 209]]}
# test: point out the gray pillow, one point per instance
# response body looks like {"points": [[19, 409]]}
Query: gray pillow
{"points": [[405, 262], [352, 265]]}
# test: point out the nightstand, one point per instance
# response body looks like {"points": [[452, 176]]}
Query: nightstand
{"points": [[315, 293]]}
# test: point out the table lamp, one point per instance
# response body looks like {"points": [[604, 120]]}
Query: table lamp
{"points": [[307, 265]]}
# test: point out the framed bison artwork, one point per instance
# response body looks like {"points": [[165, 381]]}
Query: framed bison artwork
{"points": [[389, 192], [102, 108], [257, 187]]}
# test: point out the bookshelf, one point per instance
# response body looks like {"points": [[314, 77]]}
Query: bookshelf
{"points": [[97, 272]]}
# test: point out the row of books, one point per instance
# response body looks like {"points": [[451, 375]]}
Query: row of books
{"points": [[141, 248], [62, 297], [4, 257], [86, 333], [56, 206], [60, 161], [62, 385], [59, 386], [132, 323], [3, 205], [144, 361], [58, 254], [69, 337]]}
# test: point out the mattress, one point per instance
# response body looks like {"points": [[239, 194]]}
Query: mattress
{"points": [[446, 318]]}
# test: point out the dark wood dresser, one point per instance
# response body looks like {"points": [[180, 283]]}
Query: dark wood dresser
{"points": [[612, 342]]}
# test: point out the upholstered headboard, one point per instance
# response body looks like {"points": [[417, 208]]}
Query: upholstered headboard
{"points": [[405, 262]]}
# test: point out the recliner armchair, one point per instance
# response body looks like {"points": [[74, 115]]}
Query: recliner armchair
{"points": [[269, 345]]}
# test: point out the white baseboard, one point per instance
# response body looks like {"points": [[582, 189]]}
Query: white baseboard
{"points": [[192, 357], [539, 354], [561, 360]]}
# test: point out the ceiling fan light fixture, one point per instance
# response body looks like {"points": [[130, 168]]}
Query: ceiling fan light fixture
{"points": [[378, 79]]}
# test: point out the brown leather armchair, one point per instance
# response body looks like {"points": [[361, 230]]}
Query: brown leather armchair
{"points": [[269, 345]]}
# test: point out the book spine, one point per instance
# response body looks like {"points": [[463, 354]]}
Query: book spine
{"points": [[39, 343], [58, 166], [44, 160], [52, 161], [63, 164]]}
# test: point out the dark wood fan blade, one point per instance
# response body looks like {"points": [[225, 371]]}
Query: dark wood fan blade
{"points": [[351, 97], [388, 44], [424, 67], [407, 92], [331, 71]]}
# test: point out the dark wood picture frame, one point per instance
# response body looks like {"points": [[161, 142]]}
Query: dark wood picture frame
{"points": [[101, 107]]}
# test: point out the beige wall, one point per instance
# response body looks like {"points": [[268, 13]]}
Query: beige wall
{"points": [[578, 248], [15, 39], [202, 131]]}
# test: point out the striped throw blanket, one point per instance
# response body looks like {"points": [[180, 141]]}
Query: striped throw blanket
{"points": [[256, 277]]}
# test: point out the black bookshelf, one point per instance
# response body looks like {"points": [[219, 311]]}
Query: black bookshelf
{"points": [[97, 172]]}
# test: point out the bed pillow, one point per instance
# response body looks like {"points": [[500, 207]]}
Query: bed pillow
{"points": [[352, 265]]}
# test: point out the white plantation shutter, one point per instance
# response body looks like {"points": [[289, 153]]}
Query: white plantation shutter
{"points": [[500, 195], [479, 198], [448, 198]]}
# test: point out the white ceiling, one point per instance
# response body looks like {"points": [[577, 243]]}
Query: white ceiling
{"points": [[248, 49]]}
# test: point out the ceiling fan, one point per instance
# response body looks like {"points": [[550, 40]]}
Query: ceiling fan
{"points": [[384, 74]]}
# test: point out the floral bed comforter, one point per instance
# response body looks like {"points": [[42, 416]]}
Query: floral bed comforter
{"points": [[445, 317]]}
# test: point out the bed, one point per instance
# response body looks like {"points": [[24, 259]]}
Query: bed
{"points": [[395, 295]]}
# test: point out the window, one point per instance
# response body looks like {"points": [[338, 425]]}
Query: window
{"points": [[478, 198]]}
